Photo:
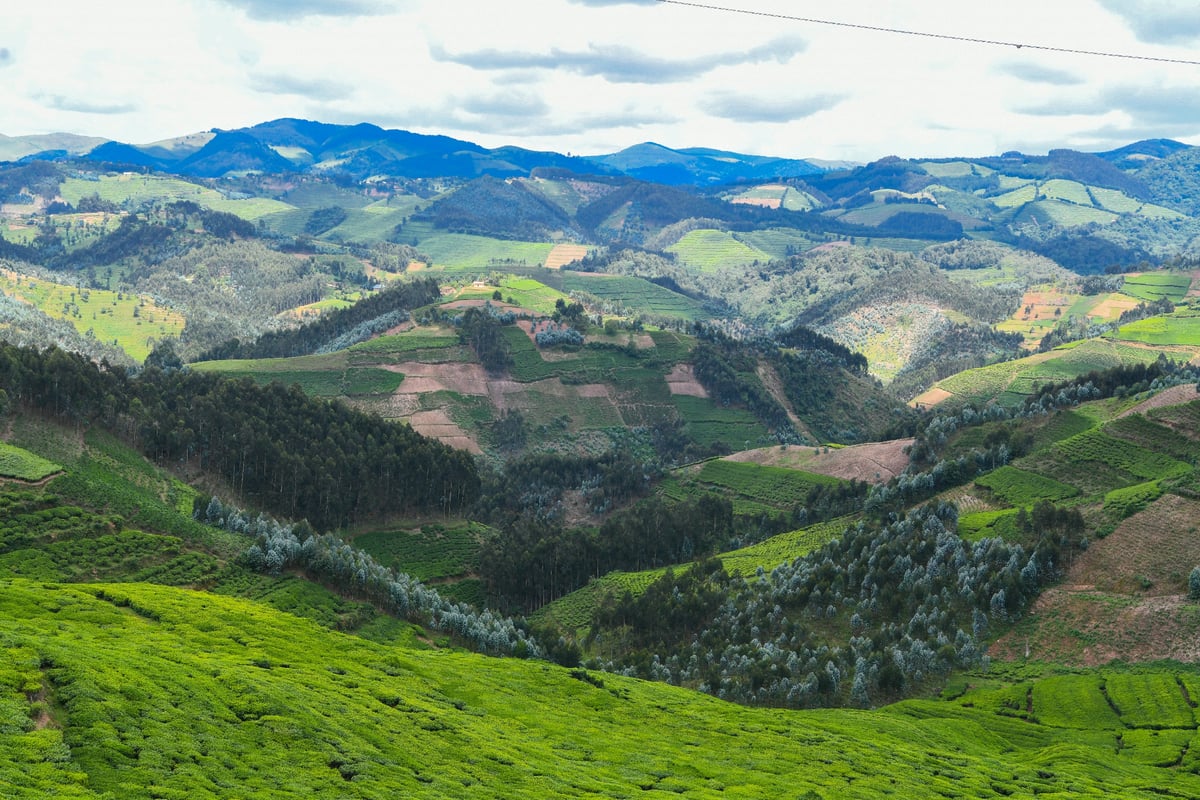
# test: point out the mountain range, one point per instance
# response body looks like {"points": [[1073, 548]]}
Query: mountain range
{"points": [[364, 150]]}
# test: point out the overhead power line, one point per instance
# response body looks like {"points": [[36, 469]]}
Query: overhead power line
{"points": [[927, 35]]}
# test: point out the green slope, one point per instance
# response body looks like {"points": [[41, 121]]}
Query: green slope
{"points": [[134, 691]]}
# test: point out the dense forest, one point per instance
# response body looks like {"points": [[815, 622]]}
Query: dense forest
{"points": [[273, 446]]}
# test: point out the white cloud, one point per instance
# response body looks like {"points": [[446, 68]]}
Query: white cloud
{"points": [[599, 75]]}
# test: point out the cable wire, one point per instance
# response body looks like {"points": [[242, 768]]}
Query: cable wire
{"points": [[927, 35]]}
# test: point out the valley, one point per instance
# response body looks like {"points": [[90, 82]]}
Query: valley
{"points": [[325, 472]]}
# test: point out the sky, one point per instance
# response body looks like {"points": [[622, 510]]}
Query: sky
{"points": [[769, 77]]}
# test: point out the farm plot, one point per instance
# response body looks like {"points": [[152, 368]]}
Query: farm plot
{"points": [[1152, 700], [1074, 701], [783, 548], [1011, 381], [978, 525], [1172, 330], [574, 611], [1151, 552], [434, 551], [1097, 447], [708, 423], [1019, 487], [627, 294], [1152, 286], [774, 486], [1148, 434], [19, 463], [710, 250]]}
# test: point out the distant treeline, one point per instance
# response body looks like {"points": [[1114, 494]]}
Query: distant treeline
{"points": [[279, 449], [311, 336]]}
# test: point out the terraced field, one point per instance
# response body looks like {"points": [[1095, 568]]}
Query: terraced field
{"points": [[634, 295], [710, 250], [1152, 286], [1010, 382]]}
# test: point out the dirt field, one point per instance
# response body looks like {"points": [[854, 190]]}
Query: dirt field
{"points": [[1168, 397], [875, 462], [563, 254], [682, 380], [1123, 597], [930, 398], [437, 425], [1113, 306], [764, 202]]}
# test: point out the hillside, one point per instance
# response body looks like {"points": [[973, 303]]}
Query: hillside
{"points": [[304, 710]]}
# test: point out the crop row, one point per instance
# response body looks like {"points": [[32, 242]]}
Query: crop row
{"points": [[1022, 488], [1096, 446]]}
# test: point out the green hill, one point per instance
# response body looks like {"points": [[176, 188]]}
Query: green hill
{"points": [[135, 691]]}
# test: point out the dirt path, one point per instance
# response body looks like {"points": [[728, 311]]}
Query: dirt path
{"points": [[772, 383]]}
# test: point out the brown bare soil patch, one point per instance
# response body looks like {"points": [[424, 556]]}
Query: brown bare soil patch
{"points": [[772, 383], [437, 424], [830, 246], [1168, 397], [1112, 306], [764, 202], [416, 266], [1039, 305], [873, 462], [682, 380], [1151, 553], [562, 254], [456, 377], [930, 398], [1123, 598], [1076, 626]]}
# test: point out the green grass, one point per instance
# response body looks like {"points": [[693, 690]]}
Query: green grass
{"points": [[132, 322], [136, 691], [135, 190], [17, 462], [1173, 330], [461, 251], [711, 250]]}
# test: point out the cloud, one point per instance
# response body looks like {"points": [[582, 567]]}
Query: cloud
{"points": [[313, 89], [598, 3], [744, 108], [6, 57], [621, 64], [282, 10], [505, 104], [470, 117], [1035, 73], [1173, 106], [1159, 21], [63, 103]]}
